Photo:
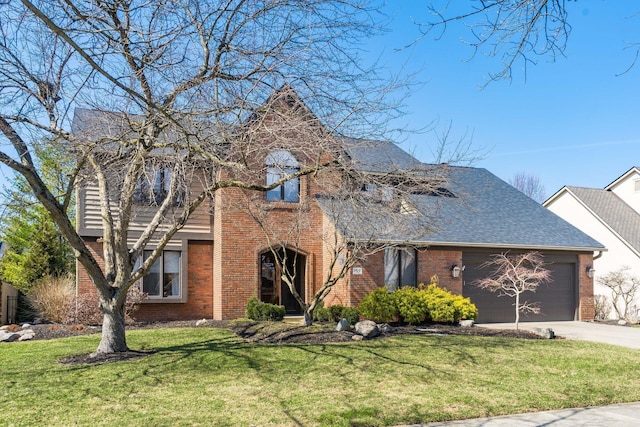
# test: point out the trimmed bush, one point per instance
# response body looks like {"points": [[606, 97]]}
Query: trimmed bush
{"points": [[321, 313], [334, 313], [412, 307], [443, 306], [259, 311], [351, 314], [379, 306], [416, 305]]}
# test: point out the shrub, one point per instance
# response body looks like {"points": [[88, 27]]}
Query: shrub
{"points": [[379, 306], [443, 306], [601, 307], [412, 307], [334, 313], [465, 309], [351, 314], [258, 310], [51, 297], [321, 313], [85, 308]]}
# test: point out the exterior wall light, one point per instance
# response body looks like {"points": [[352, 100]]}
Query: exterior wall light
{"points": [[590, 272], [455, 270]]}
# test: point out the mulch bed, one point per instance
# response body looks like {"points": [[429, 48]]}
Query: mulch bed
{"points": [[262, 332]]}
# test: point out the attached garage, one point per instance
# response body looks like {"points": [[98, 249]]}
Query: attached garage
{"points": [[558, 299]]}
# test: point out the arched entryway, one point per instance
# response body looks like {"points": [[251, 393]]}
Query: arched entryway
{"points": [[273, 289]]}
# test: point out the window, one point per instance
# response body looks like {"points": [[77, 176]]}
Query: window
{"points": [[281, 163], [163, 279], [399, 267], [153, 187], [636, 185]]}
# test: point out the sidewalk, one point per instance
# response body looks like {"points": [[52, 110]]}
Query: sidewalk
{"points": [[620, 415]]}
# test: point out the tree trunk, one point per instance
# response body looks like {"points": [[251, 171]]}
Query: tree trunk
{"points": [[308, 316], [517, 312], [113, 334]]}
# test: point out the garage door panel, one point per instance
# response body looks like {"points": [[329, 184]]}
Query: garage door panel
{"points": [[556, 299]]}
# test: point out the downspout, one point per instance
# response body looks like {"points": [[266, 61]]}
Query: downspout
{"points": [[598, 256]]}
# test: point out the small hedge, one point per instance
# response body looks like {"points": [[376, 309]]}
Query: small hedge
{"points": [[379, 306], [258, 310], [416, 305], [335, 313]]}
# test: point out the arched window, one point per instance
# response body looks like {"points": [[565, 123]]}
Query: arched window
{"points": [[281, 163]]}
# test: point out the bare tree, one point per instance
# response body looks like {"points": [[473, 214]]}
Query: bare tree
{"points": [[529, 185], [515, 31], [167, 93], [513, 275], [601, 307], [624, 288]]}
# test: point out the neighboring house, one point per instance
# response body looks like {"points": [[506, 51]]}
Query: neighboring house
{"points": [[610, 215], [8, 298], [221, 258]]}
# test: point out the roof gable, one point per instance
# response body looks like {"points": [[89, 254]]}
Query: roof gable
{"points": [[633, 171], [609, 208]]}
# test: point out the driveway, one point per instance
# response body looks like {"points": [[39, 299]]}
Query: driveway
{"points": [[597, 332]]}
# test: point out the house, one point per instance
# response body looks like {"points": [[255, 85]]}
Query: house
{"points": [[611, 215], [8, 298], [222, 256]]}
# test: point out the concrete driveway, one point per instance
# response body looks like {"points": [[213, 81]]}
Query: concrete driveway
{"points": [[597, 332]]}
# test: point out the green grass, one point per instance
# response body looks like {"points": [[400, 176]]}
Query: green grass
{"points": [[210, 377]]}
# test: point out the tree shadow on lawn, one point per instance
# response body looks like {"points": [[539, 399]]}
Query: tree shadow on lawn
{"points": [[310, 339]]}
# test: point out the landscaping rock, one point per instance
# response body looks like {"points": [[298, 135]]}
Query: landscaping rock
{"points": [[467, 323], [367, 329], [357, 337], [26, 326], [201, 322], [384, 328], [8, 336], [544, 333], [27, 336], [342, 325], [622, 322]]}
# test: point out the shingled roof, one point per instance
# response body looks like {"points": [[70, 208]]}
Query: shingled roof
{"points": [[611, 210], [484, 212], [379, 156], [490, 212]]}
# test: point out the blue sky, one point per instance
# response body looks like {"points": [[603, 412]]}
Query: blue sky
{"points": [[572, 122]]}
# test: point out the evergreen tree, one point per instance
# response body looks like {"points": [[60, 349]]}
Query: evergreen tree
{"points": [[34, 246]]}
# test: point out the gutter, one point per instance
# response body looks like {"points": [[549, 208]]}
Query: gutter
{"points": [[490, 245]]}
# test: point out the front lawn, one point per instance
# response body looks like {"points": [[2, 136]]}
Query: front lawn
{"points": [[210, 377]]}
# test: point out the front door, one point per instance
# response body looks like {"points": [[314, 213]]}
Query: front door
{"points": [[275, 290]]}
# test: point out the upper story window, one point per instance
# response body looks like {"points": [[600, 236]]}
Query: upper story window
{"points": [[636, 185], [281, 163], [153, 187]]}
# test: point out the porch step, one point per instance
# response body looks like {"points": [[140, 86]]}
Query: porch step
{"points": [[293, 319]]}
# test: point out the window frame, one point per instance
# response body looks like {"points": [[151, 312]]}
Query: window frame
{"points": [[153, 186], [399, 262], [281, 163], [182, 277]]}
